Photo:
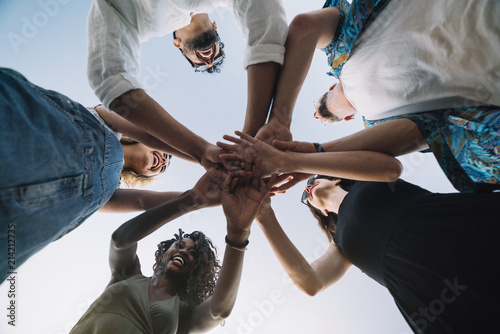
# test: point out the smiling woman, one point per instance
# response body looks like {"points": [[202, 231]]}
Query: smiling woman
{"points": [[186, 293]]}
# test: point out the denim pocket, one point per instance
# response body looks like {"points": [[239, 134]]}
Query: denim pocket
{"points": [[40, 195]]}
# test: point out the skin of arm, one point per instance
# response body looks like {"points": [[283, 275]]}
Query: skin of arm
{"points": [[123, 260], [139, 108], [306, 33], [396, 137], [261, 80], [359, 165], [310, 278], [241, 199], [125, 127], [128, 200]]}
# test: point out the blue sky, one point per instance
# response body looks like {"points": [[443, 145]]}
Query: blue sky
{"points": [[45, 40]]}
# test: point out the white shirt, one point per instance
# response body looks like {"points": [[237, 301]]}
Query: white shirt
{"points": [[116, 29], [426, 55]]}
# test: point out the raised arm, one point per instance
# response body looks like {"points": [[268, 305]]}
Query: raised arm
{"points": [[310, 278], [359, 165], [264, 28], [307, 32], [127, 128], [123, 260], [241, 199], [142, 110]]}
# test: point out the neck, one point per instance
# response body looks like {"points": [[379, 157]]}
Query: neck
{"points": [[338, 101], [128, 155], [336, 198], [160, 281]]}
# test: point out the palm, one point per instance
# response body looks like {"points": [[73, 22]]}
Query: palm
{"points": [[242, 205], [272, 131], [242, 195]]}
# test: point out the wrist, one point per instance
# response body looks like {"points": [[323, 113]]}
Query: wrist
{"points": [[279, 120], [195, 200], [238, 235], [240, 246]]}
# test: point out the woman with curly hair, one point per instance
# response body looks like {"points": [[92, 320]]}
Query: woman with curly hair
{"points": [[189, 291]]}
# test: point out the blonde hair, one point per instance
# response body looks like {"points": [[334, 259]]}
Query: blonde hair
{"points": [[130, 177]]}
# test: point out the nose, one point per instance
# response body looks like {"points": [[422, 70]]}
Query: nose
{"points": [[316, 115]]}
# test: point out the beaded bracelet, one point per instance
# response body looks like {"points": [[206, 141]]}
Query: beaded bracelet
{"points": [[240, 247]]}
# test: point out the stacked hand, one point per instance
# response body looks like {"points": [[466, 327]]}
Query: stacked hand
{"points": [[247, 148], [242, 196]]}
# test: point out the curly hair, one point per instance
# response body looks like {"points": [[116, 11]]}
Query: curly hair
{"points": [[328, 224], [203, 277]]}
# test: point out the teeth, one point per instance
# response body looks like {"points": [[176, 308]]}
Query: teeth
{"points": [[178, 259]]}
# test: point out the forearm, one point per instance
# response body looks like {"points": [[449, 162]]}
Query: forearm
{"points": [[225, 293], [261, 83], [129, 200], [359, 165], [140, 109], [296, 266], [148, 222], [395, 138], [306, 33]]}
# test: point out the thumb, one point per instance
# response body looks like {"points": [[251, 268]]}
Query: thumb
{"points": [[284, 145]]}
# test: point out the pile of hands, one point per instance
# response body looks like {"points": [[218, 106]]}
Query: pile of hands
{"points": [[243, 174]]}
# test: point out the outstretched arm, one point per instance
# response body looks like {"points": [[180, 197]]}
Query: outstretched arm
{"points": [[310, 278], [359, 165], [241, 199], [261, 83], [142, 110], [123, 260], [306, 33], [127, 128]]}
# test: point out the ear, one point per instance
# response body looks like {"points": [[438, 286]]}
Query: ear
{"points": [[177, 43], [214, 24], [333, 86], [337, 181], [348, 118], [324, 212]]}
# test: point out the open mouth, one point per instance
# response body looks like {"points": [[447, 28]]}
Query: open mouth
{"points": [[207, 54], [178, 260], [156, 160]]}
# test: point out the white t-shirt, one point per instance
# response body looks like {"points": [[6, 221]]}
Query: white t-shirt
{"points": [[116, 29], [426, 55]]}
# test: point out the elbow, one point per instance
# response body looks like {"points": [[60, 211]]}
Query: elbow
{"points": [[312, 291], [394, 171], [302, 26], [116, 241], [222, 314]]}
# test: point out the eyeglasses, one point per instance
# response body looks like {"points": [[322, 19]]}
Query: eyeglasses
{"points": [[217, 61], [305, 194], [213, 61]]}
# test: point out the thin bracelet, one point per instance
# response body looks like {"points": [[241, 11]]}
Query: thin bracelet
{"points": [[241, 247], [318, 147]]}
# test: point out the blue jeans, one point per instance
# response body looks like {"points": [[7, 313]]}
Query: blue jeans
{"points": [[58, 165]]}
